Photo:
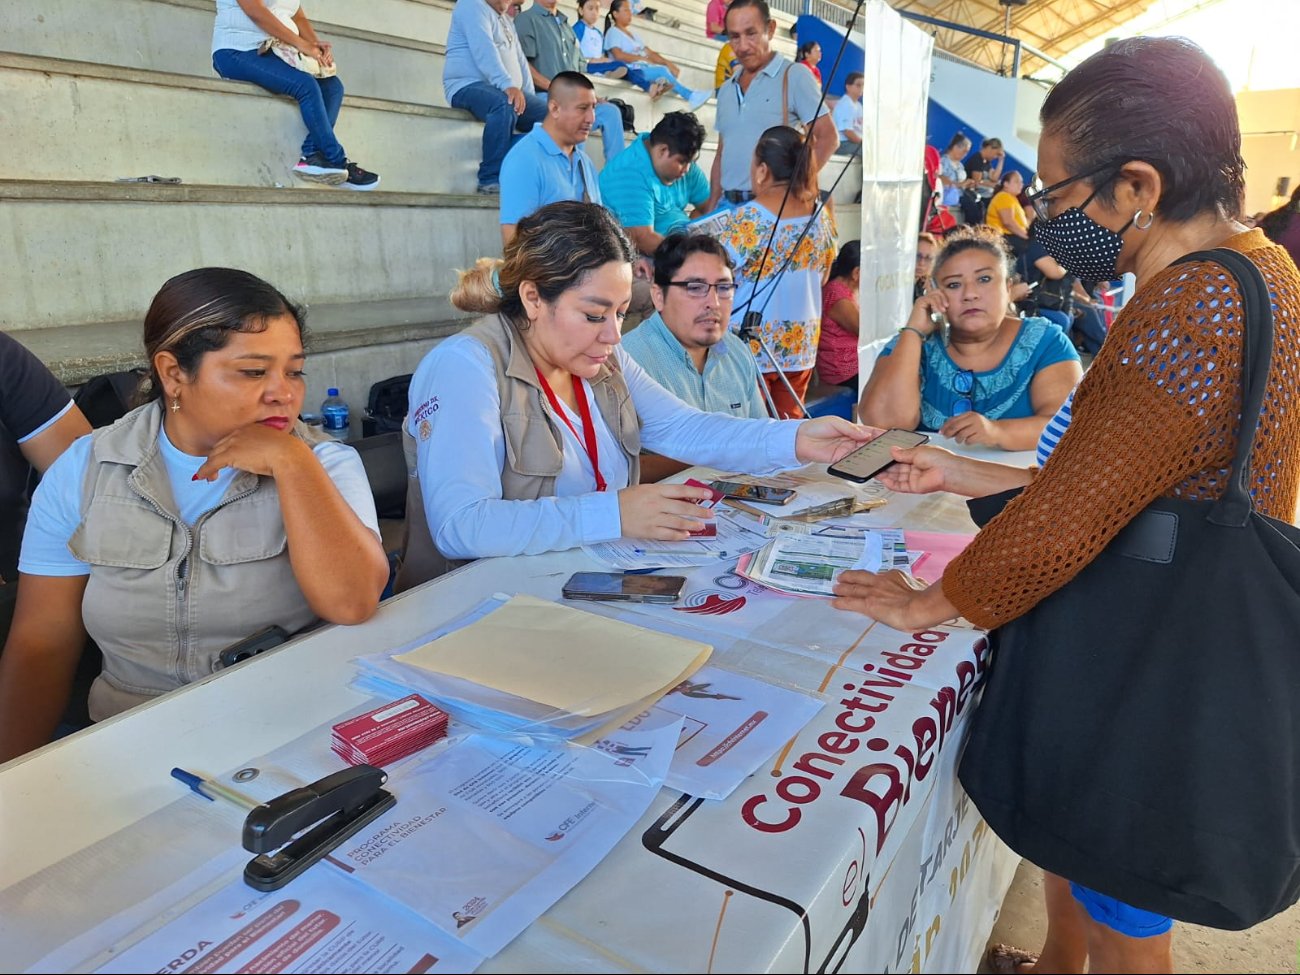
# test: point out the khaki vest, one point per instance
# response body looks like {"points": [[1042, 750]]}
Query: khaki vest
{"points": [[164, 598], [534, 455]]}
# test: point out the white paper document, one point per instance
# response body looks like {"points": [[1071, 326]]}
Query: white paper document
{"points": [[490, 832], [322, 922], [736, 537], [807, 559], [731, 724]]}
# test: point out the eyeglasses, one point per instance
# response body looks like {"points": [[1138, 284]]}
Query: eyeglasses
{"points": [[1041, 199], [700, 289], [963, 384]]}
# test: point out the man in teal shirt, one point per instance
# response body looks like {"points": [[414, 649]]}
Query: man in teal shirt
{"points": [[653, 184], [650, 186]]}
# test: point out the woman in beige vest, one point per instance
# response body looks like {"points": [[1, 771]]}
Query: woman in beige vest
{"points": [[201, 517], [526, 429]]}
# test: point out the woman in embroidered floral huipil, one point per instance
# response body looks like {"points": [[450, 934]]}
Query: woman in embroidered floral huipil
{"points": [[788, 295]]}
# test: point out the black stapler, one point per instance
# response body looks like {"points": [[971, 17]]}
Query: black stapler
{"points": [[339, 805]]}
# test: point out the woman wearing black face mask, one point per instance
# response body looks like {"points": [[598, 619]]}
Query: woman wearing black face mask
{"points": [[1155, 418]]}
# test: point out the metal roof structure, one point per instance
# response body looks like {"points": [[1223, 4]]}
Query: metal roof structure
{"points": [[1050, 27]]}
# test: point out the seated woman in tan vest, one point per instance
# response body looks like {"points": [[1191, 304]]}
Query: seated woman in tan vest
{"points": [[197, 519], [528, 426]]}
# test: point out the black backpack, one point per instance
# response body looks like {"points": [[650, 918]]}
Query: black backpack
{"points": [[628, 113], [107, 398], [386, 407]]}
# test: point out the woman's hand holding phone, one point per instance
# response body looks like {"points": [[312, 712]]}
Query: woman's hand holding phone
{"points": [[928, 312]]}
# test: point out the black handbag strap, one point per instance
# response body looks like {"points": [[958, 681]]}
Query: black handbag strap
{"points": [[1235, 507]]}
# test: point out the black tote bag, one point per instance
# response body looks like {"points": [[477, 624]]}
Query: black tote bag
{"points": [[1139, 732]]}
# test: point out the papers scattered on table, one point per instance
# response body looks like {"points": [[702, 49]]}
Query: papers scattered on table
{"points": [[524, 665], [736, 536], [489, 833], [322, 922], [561, 657], [805, 560], [731, 724]]}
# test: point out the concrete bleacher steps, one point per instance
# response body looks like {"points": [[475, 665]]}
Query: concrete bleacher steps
{"points": [[374, 269], [106, 89], [247, 137], [376, 58]]}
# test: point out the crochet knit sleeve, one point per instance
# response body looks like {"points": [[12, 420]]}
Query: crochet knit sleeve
{"points": [[1155, 416]]}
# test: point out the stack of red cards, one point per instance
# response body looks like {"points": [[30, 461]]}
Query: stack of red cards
{"points": [[710, 529], [389, 733]]}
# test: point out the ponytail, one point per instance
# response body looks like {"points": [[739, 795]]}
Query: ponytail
{"points": [[788, 158], [477, 290]]}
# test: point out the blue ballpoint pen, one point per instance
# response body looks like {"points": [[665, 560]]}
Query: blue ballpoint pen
{"points": [[210, 790]]}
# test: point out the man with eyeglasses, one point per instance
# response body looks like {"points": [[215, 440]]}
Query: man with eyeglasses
{"points": [[686, 345]]}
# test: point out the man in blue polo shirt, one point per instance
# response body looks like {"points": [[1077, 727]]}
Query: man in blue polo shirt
{"points": [[549, 164], [653, 184], [686, 345]]}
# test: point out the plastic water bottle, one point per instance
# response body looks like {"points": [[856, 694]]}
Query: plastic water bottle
{"points": [[334, 415]]}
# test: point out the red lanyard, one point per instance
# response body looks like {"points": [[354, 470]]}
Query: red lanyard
{"points": [[588, 437]]}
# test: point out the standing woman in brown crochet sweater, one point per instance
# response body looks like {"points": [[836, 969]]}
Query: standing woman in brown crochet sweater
{"points": [[1155, 416]]}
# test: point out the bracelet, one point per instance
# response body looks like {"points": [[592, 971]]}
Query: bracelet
{"points": [[919, 334]]}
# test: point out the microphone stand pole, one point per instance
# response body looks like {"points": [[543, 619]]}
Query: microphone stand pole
{"points": [[749, 329]]}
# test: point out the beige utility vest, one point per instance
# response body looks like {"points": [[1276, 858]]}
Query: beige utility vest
{"points": [[165, 598], [534, 451]]}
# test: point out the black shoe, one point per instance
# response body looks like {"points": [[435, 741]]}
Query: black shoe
{"points": [[316, 169], [360, 179]]}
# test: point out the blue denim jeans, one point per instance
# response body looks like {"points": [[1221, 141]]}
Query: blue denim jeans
{"points": [[490, 106], [318, 99], [609, 121]]}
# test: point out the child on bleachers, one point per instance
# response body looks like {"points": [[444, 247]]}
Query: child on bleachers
{"points": [[591, 42], [247, 40], [655, 73]]}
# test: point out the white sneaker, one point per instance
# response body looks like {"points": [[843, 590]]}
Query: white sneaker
{"points": [[698, 98]]}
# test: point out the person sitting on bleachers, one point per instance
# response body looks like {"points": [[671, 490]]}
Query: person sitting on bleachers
{"points": [[654, 186], [687, 345], [551, 46], [591, 43], [837, 346], [255, 40], [847, 113], [993, 379], [715, 20], [1007, 216], [199, 518], [810, 55], [654, 72], [487, 75], [549, 164], [526, 429], [38, 421], [984, 170], [725, 66], [926, 247], [1060, 298]]}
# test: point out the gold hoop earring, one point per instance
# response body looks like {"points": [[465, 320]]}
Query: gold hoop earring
{"points": [[1151, 218], [176, 405]]}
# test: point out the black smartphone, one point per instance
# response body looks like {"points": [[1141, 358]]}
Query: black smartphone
{"points": [[631, 587], [252, 645], [762, 493], [872, 458]]}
